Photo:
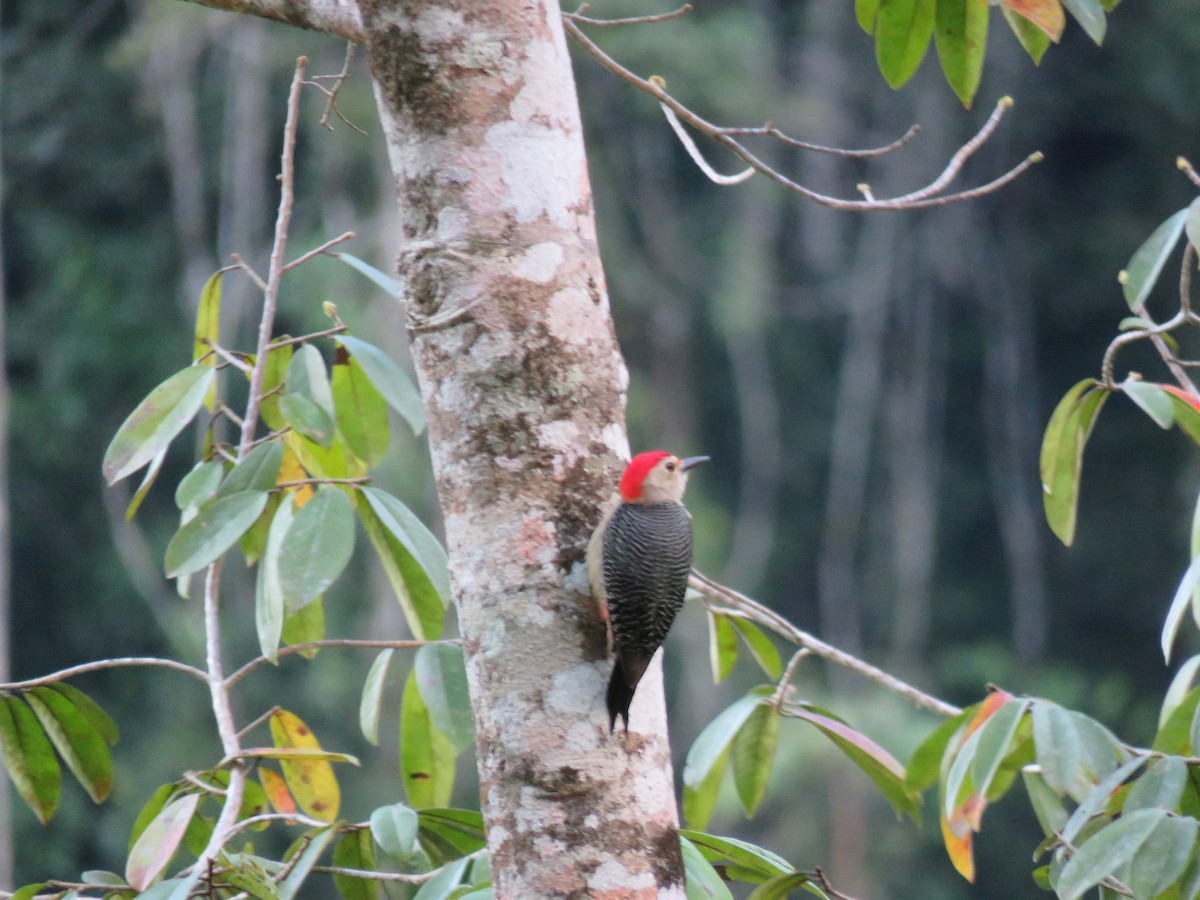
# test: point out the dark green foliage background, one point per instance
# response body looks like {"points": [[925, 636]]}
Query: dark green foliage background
{"points": [[700, 278]]}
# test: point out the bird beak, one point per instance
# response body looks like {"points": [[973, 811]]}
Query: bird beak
{"points": [[685, 464]]}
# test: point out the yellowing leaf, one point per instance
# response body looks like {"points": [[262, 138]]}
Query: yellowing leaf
{"points": [[311, 781], [291, 470], [957, 839], [208, 329], [277, 791]]}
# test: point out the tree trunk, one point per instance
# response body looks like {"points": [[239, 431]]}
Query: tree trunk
{"points": [[524, 387]]}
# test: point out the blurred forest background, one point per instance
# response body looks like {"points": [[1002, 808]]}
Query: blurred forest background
{"points": [[872, 389]]}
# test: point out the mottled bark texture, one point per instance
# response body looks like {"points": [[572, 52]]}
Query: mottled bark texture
{"points": [[524, 387]]}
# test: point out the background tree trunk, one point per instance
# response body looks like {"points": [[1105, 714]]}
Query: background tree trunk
{"points": [[524, 387]]}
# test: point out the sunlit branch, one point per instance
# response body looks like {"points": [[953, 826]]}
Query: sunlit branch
{"points": [[100, 664], [927, 196], [735, 603]]}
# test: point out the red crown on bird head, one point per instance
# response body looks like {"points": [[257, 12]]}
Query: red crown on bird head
{"points": [[637, 470]]}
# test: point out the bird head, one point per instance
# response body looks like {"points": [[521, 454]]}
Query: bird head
{"points": [[656, 477]]}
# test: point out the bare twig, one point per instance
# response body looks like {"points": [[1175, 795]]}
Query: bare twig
{"points": [[328, 642], [301, 260], [239, 263], [735, 603], [401, 877], [1186, 168], [250, 727], [304, 339], [771, 131], [930, 195], [338, 81], [578, 16], [226, 355], [275, 271], [100, 664]]}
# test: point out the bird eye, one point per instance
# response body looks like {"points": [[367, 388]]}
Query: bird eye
{"points": [[670, 467]]}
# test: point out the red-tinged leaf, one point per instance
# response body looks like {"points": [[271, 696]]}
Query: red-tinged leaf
{"points": [[879, 765], [1032, 38], [278, 795], [311, 780], [208, 330], [902, 32], [988, 708], [77, 740], [1186, 409], [159, 841], [957, 837], [29, 757], [156, 421], [960, 36], [1048, 15], [996, 737]]}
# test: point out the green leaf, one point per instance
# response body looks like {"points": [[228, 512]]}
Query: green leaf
{"points": [[926, 761], [199, 484], [158, 841], [1159, 787], [1174, 735], [394, 828], [418, 583], [156, 421], [1154, 401], [269, 602], [29, 891], [216, 527], [427, 758], [148, 479], [902, 32], [1095, 801], [865, 11], [307, 377], [710, 749], [1059, 752], [372, 697], [389, 284], [1179, 606], [782, 886], [722, 646], [278, 361], [442, 680], [1148, 260], [318, 840], [1062, 455], [1180, 685], [760, 647], [317, 547], [307, 418], [448, 834], [150, 811], [995, 740], [257, 471], [389, 379], [742, 854], [754, 754], [960, 35], [1035, 41], [77, 740], [1192, 224], [29, 757], [1047, 805], [442, 885], [1162, 857], [208, 329], [1090, 16], [1106, 852], [361, 411], [1101, 750], [304, 625], [703, 882], [881, 767], [699, 800], [86, 705]]}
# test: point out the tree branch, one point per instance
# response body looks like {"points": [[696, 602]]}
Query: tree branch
{"points": [[328, 642], [336, 17], [929, 195], [739, 604], [98, 665]]}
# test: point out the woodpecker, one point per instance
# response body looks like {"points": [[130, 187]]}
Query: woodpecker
{"points": [[638, 561]]}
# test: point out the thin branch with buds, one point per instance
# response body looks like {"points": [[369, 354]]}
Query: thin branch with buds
{"points": [[332, 93], [930, 195]]}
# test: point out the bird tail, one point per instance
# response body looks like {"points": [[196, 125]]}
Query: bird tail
{"points": [[627, 672]]}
